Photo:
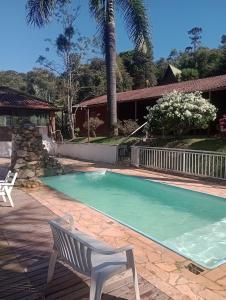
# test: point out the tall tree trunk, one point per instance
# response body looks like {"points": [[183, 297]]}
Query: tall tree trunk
{"points": [[110, 57]]}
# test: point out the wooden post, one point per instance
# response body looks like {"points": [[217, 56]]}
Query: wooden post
{"points": [[135, 110], [88, 125], [52, 124], [53, 121], [210, 95]]}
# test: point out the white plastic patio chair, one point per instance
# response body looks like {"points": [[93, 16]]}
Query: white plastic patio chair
{"points": [[6, 187], [89, 257]]}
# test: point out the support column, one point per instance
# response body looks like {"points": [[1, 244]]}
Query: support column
{"points": [[135, 110], [210, 96], [52, 121]]}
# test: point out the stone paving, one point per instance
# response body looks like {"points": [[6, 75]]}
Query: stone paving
{"points": [[161, 267]]}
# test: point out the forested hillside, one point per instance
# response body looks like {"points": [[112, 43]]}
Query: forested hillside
{"points": [[135, 69]]}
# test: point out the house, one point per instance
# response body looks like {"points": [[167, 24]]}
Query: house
{"points": [[16, 106], [133, 104]]}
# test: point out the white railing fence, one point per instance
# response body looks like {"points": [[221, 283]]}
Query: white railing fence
{"points": [[198, 163]]}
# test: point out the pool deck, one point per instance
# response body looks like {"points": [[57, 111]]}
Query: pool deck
{"points": [[159, 266]]}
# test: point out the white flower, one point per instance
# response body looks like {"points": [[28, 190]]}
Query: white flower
{"points": [[187, 113]]}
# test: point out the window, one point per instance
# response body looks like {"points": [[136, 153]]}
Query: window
{"points": [[9, 121]]}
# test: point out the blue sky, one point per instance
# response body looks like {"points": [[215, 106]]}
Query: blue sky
{"points": [[170, 19]]}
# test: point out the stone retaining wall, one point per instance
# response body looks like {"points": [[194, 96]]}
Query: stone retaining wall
{"points": [[29, 158]]}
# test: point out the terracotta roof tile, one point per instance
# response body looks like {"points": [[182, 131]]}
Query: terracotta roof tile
{"points": [[203, 85], [10, 98]]}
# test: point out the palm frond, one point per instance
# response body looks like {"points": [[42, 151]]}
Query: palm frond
{"points": [[136, 18], [98, 11], [40, 11]]}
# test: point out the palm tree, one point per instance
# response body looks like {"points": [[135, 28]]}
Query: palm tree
{"points": [[136, 19]]}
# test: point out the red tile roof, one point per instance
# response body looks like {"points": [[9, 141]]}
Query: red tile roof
{"points": [[203, 85], [10, 98]]}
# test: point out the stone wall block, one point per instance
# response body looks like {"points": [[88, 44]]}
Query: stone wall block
{"points": [[30, 158]]}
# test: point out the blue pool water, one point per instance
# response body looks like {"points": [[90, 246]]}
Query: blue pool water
{"points": [[190, 223]]}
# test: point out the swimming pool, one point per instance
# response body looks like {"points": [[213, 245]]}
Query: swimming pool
{"points": [[190, 223]]}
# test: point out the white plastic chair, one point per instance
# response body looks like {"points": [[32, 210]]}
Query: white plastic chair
{"points": [[89, 257], [6, 187]]}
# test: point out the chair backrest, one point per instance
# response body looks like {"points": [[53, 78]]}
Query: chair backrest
{"points": [[72, 248], [7, 176], [11, 177]]}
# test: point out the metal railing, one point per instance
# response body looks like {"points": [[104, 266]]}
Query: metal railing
{"points": [[197, 163], [123, 152]]}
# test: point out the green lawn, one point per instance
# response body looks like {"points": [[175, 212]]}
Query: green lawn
{"points": [[107, 140], [194, 143]]}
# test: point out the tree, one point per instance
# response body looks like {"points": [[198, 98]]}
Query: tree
{"points": [[173, 56], [222, 62], [195, 36], [179, 112], [189, 74], [124, 79], [188, 49], [42, 83], [135, 16], [207, 61], [71, 49], [13, 80], [223, 40], [92, 79], [140, 67]]}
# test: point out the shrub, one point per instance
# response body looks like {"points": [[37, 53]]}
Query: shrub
{"points": [[94, 123], [126, 127], [178, 113]]}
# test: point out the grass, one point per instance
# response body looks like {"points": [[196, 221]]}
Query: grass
{"points": [[193, 143], [106, 140]]}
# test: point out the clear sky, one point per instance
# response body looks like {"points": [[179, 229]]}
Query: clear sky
{"points": [[170, 19]]}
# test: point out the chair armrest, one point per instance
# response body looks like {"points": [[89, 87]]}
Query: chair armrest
{"points": [[114, 251], [68, 219]]}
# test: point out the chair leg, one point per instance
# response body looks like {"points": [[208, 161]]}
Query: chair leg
{"points": [[96, 287], [135, 282], [4, 198], [131, 264], [52, 263], [10, 199]]}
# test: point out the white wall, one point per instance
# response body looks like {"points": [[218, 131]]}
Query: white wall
{"points": [[92, 152], [5, 149]]}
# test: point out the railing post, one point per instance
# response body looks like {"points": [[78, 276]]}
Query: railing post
{"points": [[184, 153]]}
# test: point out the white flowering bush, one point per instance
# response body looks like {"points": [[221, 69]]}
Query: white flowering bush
{"points": [[179, 112]]}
